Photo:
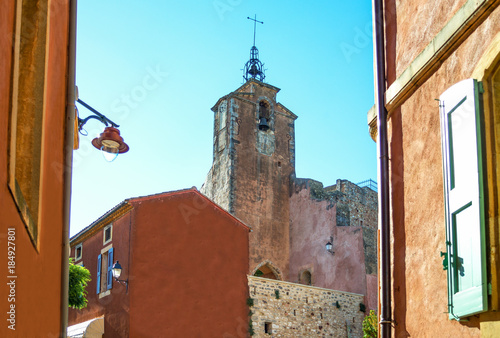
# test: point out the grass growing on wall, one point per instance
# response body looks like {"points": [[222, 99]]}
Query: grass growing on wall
{"points": [[251, 331]]}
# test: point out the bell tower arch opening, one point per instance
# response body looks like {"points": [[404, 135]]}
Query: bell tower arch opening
{"points": [[265, 115]]}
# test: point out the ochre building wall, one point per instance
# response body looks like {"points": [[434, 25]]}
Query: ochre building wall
{"points": [[186, 262], [38, 267], [411, 25], [188, 269], [115, 305], [418, 223], [303, 311]]}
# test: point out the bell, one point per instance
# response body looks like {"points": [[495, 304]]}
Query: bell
{"points": [[263, 124], [253, 71]]}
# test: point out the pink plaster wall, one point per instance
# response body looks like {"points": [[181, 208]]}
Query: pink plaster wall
{"points": [[312, 223]]}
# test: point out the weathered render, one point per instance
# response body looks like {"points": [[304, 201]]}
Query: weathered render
{"points": [[345, 215], [36, 133], [185, 261], [430, 47], [251, 172]]}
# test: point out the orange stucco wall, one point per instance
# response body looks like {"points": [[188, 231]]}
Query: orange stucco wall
{"points": [[38, 283], [418, 224], [186, 261], [188, 269], [416, 24], [114, 307]]}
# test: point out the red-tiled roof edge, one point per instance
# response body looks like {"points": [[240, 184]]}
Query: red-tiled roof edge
{"points": [[120, 209], [183, 191], [129, 201], [160, 194]]}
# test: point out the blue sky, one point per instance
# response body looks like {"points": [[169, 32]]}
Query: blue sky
{"points": [[157, 67]]}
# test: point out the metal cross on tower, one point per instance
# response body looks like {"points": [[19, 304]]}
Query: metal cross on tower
{"points": [[254, 68], [254, 25]]}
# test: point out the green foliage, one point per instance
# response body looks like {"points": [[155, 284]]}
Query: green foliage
{"points": [[370, 325], [277, 294], [78, 280], [250, 301], [251, 332], [258, 273]]}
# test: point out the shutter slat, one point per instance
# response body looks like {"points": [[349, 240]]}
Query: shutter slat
{"points": [[98, 279], [109, 283]]}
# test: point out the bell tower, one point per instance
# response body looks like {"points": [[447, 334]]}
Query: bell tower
{"points": [[253, 163]]}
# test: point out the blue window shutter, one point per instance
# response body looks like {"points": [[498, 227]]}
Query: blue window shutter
{"points": [[464, 199], [98, 279], [109, 283]]}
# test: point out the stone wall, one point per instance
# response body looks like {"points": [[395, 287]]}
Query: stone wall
{"points": [[218, 185], [286, 309], [362, 202]]}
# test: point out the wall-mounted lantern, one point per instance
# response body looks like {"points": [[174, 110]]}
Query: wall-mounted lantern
{"points": [[117, 271], [329, 246], [109, 142]]}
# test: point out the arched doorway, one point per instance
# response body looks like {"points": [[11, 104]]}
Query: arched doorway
{"points": [[267, 270], [305, 277]]}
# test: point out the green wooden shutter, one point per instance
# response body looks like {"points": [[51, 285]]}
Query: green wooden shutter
{"points": [[109, 281], [98, 279], [464, 202]]}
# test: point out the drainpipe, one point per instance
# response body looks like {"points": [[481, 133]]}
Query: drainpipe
{"points": [[383, 170], [68, 164]]}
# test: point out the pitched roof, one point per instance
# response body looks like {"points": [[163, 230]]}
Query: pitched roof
{"points": [[124, 207]]}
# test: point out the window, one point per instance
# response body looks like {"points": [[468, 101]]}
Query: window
{"points": [[107, 234], [268, 327], [464, 200], [27, 111], [104, 280], [78, 252]]}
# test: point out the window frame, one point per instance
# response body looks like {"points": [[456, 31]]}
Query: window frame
{"points": [[104, 278], [106, 228], [78, 257]]}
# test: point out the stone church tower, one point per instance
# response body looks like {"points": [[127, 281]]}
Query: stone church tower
{"points": [[253, 163], [302, 232]]}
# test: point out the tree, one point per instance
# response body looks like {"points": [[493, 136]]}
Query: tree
{"points": [[78, 280], [370, 325]]}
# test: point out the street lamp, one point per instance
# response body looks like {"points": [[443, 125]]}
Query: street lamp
{"points": [[109, 142], [117, 271]]}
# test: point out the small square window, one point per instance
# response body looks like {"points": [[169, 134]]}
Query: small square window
{"points": [[107, 234], [268, 327], [78, 252]]}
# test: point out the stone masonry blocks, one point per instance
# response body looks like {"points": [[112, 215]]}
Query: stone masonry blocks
{"points": [[303, 311]]}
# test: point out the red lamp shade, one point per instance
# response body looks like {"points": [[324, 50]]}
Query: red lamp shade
{"points": [[110, 141]]}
